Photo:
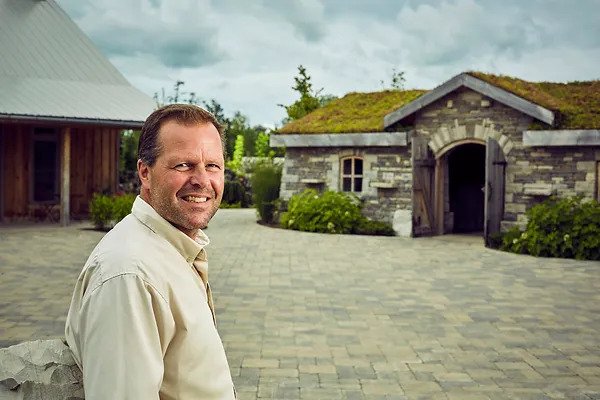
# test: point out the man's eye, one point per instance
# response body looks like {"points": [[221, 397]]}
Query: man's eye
{"points": [[213, 166], [182, 167]]}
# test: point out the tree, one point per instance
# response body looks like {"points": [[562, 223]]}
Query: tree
{"points": [[397, 80], [309, 100]]}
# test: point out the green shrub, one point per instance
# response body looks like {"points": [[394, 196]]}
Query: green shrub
{"points": [[101, 210], [266, 179], [122, 206], [105, 210], [369, 227], [513, 241], [568, 227], [233, 192], [330, 212]]}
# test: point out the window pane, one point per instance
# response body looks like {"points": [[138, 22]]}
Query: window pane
{"points": [[347, 166], [358, 166], [346, 184], [358, 184], [45, 170]]}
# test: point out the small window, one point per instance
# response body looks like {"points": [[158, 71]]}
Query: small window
{"points": [[352, 174], [45, 165]]}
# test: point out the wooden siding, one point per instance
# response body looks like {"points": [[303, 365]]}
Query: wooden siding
{"points": [[94, 163], [94, 167]]}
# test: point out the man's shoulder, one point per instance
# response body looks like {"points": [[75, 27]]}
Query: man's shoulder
{"points": [[131, 248]]}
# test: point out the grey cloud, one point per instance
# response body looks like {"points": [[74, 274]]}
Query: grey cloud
{"points": [[177, 40]]}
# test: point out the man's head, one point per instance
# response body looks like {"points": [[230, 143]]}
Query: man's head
{"points": [[181, 165]]}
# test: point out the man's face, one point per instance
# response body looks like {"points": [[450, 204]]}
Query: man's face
{"points": [[185, 185]]}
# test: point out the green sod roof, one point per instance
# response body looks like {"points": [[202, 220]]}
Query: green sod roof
{"points": [[575, 104], [355, 112]]}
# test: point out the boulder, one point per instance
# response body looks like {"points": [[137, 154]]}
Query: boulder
{"points": [[41, 369]]}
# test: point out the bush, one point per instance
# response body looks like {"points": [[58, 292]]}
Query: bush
{"points": [[369, 227], [106, 211], [266, 179], [330, 212], [100, 210], [568, 227]]}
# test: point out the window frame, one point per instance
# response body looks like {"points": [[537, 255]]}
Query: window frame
{"points": [[353, 176]]}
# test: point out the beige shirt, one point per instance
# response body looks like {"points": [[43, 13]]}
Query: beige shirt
{"points": [[140, 325]]}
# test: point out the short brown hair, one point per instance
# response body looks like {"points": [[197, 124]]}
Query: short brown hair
{"points": [[184, 114]]}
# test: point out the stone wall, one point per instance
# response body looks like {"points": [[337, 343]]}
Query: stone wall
{"points": [[387, 178], [42, 369], [532, 174]]}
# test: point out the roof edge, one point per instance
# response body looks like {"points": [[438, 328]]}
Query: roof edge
{"points": [[364, 139], [15, 118], [464, 79], [563, 137]]}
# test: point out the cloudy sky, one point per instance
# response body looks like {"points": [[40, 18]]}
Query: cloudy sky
{"points": [[245, 53]]}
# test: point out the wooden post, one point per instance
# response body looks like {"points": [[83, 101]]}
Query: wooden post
{"points": [[439, 196], [65, 186]]}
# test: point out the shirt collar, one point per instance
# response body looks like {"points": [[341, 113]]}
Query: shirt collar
{"points": [[189, 248]]}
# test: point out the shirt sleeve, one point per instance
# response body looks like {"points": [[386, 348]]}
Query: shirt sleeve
{"points": [[125, 328]]}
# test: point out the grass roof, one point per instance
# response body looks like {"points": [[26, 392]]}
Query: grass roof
{"points": [[576, 104], [355, 112]]}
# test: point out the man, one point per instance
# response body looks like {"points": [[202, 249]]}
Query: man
{"points": [[141, 321]]}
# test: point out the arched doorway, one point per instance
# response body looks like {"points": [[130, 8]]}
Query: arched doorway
{"points": [[466, 183]]}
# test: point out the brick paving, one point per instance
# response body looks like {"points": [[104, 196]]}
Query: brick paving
{"points": [[312, 316]]}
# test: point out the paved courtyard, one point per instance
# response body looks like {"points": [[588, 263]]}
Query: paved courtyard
{"points": [[312, 316]]}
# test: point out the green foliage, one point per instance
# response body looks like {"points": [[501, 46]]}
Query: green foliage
{"points": [[568, 227], [309, 101], [355, 112], [236, 192], [261, 146], [329, 212], [577, 103], [105, 210], [238, 153], [128, 177], [397, 81], [369, 227], [266, 179], [100, 210]]}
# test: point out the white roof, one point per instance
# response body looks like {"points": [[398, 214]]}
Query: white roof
{"points": [[49, 70]]}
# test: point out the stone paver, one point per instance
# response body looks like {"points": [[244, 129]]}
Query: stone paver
{"points": [[312, 316]]}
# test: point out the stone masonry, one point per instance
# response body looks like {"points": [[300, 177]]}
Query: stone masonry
{"points": [[532, 173], [387, 176]]}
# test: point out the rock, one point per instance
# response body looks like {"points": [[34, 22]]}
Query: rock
{"points": [[42, 369]]}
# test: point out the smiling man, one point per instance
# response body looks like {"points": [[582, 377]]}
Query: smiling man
{"points": [[141, 323]]}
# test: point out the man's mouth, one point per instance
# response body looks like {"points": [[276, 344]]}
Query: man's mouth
{"points": [[195, 199]]}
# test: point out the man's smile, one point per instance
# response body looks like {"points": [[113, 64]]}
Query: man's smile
{"points": [[195, 199]]}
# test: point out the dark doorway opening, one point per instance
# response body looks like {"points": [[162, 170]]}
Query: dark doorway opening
{"points": [[466, 170]]}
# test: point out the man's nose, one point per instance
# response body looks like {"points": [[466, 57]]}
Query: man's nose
{"points": [[200, 177]]}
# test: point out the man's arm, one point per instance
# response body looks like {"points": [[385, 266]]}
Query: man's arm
{"points": [[125, 327]]}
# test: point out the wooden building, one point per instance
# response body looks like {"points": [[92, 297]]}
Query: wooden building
{"points": [[472, 155], [62, 108]]}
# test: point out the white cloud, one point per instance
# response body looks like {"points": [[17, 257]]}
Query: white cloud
{"points": [[245, 53]]}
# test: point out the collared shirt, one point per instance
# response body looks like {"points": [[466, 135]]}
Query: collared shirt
{"points": [[140, 325]]}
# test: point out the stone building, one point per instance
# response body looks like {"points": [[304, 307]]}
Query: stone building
{"points": [[471, 155]]}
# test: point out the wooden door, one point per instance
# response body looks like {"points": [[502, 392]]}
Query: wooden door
{"points": [[423, 183], [495, 165]]}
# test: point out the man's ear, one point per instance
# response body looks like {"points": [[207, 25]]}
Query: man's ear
{"points": [[144, 173]]}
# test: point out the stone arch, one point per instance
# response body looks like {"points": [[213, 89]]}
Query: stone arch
{"points": [[447, 138]]}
